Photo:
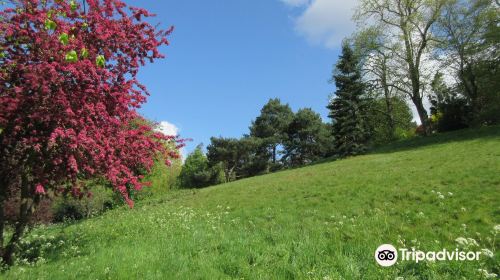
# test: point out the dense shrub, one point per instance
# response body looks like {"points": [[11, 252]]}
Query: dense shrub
{"points": [[389, 120], [197, 173], [70, 208], [450, 110], [161, 179]]}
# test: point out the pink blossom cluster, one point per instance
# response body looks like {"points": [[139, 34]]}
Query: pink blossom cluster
{"points": [[69, 94]]}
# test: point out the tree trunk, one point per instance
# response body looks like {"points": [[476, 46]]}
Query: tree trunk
{"points": [[274, 154], [3, 197], [422, 114], [413, 62], [26, 208], [388, 101], [2, 221], [226, 174]]}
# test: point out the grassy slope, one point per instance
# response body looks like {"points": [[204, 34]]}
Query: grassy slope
{"points": [[319, 222]]}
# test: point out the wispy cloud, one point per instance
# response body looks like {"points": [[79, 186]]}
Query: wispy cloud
{"points": [[324, 22]]}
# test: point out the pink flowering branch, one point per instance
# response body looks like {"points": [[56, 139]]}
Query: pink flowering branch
{"points": [[68, 99]]}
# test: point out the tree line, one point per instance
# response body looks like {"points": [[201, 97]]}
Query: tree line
{"points": [[278, 139], [403, 52]]}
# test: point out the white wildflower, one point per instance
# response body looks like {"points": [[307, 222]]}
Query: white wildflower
{"points": [[472, 242], [487, 253], [463, 209], [486, 274], [441, 196], [497, 228], [462, 241], [450, 193]]}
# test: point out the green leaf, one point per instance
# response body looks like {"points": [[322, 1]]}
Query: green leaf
{"points": [[100, 61], [84, 53], [71, 56], [50, 25], [73, 5], [2, 55], [64, 39]]}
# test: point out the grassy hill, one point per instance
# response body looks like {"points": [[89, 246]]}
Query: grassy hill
{"points": [[319, 222]]}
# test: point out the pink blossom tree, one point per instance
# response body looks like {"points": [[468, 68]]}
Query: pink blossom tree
{"points": [[68, 99]]}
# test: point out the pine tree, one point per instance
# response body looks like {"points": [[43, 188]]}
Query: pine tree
{"points": [[271, 126], [347, 107]]}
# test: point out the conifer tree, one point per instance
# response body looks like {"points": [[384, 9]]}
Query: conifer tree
{"points": [[348, 106]]}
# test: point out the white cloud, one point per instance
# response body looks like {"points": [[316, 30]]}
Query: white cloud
{"points": [[168, 128], [325, 22], [295, 3]]}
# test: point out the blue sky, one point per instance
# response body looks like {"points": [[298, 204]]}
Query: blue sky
{"points": [[228, 57]]}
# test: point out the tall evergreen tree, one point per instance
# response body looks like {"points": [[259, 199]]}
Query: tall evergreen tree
{"points": [[347, 107]]}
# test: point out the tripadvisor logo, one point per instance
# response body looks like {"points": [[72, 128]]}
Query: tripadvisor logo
{"points": [[387, 255]]}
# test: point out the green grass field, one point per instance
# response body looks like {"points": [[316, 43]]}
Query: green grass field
{"points": [[319, 222]]}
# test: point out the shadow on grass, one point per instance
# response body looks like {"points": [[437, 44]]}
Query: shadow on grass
{"points": [[485, 133]]}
